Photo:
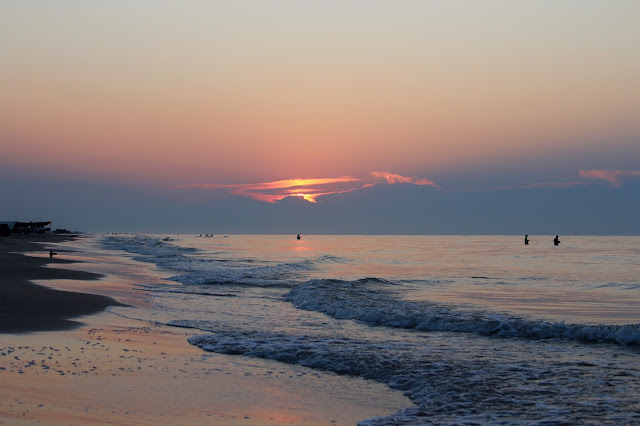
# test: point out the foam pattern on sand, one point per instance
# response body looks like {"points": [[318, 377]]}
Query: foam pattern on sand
{"points": [[450, 386]]}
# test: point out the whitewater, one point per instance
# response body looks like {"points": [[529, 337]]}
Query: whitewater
{"points": [[473, 329]]}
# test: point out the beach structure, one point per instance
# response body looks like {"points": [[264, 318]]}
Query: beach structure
{"points": [[27, 227], [8, 224]]}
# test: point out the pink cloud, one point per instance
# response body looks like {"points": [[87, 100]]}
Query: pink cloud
{"points": [[309, 189], [567, 184], [611, 176], [394, 178]]}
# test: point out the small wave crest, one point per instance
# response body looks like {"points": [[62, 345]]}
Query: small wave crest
{"points": [[368, 301], [327, 258], [248, 272], [242, 273], [446, 386], [621, 286], [149, 247], [195, 267]]}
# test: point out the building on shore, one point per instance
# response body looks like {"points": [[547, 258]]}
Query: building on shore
{"points": [[7, 227]]}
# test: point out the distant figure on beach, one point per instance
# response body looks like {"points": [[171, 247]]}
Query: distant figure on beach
{"points": [[526, 239], [51, 253], [298, 237], [556, 241]]}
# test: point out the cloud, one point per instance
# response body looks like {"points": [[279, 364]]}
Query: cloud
{"points": [[309, 189], [312, 189], [566, 184], [394, 178], [611, 176]]}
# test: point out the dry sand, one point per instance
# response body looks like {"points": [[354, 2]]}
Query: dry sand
{"points": [[112, 370]]}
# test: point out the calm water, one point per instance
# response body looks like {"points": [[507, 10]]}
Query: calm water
{"points": [[472, 329]]}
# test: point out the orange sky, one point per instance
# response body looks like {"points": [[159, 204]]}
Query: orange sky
{"points": [[227, 93]]}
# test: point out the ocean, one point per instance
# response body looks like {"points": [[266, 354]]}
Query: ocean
{"points": [[473, 329]]}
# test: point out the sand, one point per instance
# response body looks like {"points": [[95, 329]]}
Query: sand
{"points": [[102, 368], [27, 307]]}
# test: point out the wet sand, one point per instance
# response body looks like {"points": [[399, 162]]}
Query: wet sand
{"points": [[103, 368], [28, 307]]}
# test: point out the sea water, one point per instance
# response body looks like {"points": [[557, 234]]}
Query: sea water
{"points": [[471, 328]]}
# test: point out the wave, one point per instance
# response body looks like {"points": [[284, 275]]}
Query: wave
{"points": [[210, 272], [368, 301], [401, 366], [149, 247], [183, 289], [327, 258], [196, 267], [621, 286], [448, 385]]}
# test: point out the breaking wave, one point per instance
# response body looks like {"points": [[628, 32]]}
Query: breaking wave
{"points": [[371, 301]]}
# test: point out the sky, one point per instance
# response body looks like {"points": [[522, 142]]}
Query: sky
{"points": [[328, 116]]}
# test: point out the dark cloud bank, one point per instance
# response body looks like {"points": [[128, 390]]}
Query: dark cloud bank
{"points": [[594, 209]]}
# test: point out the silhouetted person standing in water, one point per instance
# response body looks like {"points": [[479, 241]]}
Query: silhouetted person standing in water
{"points": [[298, 237], [526, 239], [556, 241]]}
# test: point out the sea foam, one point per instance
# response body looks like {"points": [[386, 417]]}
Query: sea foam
{"points": [[368, 300]]}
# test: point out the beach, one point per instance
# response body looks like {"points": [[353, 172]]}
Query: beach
{"points": [[29, 307], [65, 360], [471, 329], [269, 329]]}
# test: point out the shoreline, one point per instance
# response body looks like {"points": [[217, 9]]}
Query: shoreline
{"points": [[28, 307], [104, 368]]}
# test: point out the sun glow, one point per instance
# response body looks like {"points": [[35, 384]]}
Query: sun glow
{"points": [[310, 189], [310, 198]]}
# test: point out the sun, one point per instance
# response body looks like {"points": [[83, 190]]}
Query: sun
{"points": [[309, 197], [310, 189]]}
